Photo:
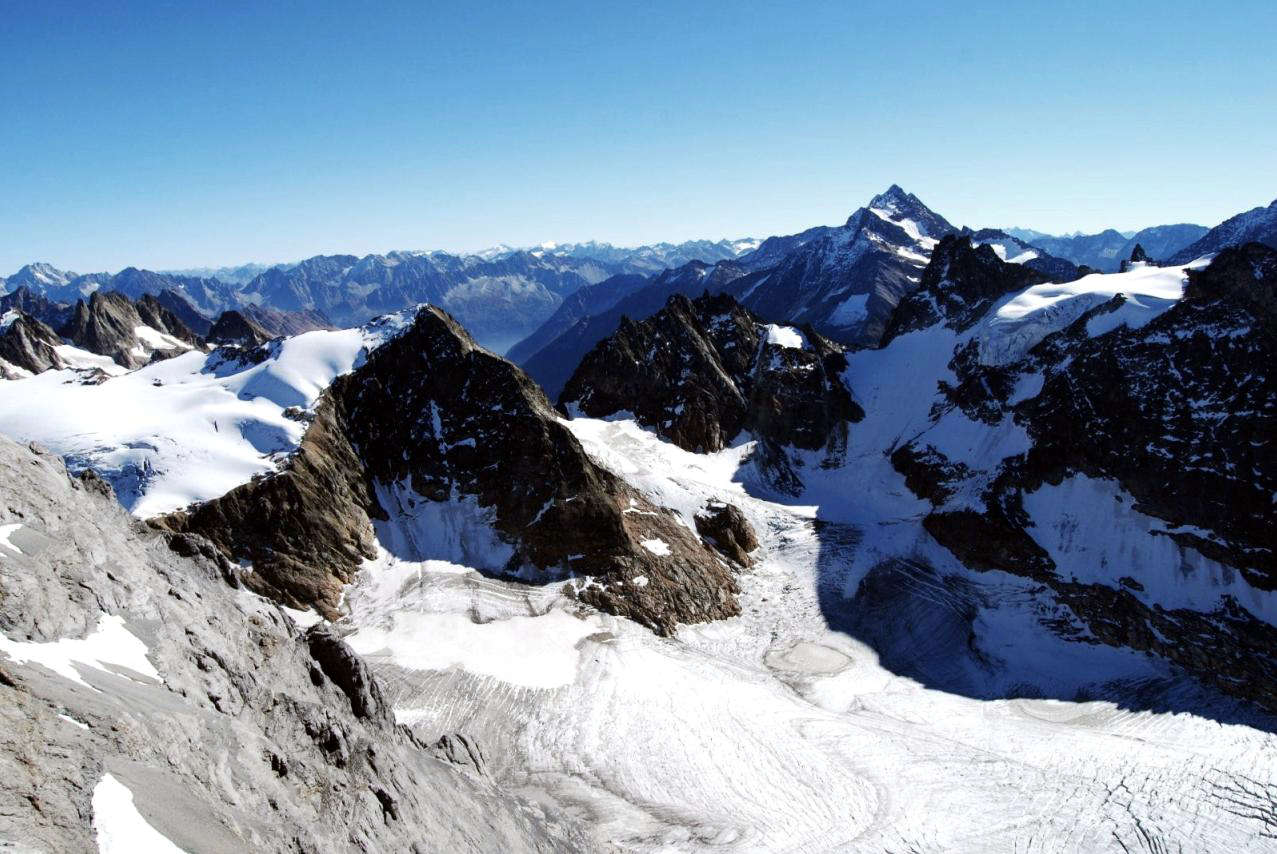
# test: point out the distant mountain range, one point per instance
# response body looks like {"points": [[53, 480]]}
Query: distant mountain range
{"points": [[501, 294], [844, 280], [1107, 250]]}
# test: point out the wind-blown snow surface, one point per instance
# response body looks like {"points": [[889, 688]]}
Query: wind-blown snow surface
{"points": [[1026, 318], [189, 428]]}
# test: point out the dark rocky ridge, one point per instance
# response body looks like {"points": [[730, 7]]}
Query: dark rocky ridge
{"points": [[959, 285], [23, 299], [429, 417], [700, 371], [553, 364], [29, 344], [1257, 225], [1179, 412], [276, 323], [1055, 269], [106, 325], [182, 308], [236, 328]]}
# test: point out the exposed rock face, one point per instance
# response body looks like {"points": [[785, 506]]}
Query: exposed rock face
{"points": [[305, 530], [700, 371], [959, 285], [23, 299], [108, 324], [1178, 413], [276, 323], [29, 345], [1258, 225], [1138, 256], [553, 364], [247, 735], [725, 527], [432, 417], [182, 308], [234, 327]]}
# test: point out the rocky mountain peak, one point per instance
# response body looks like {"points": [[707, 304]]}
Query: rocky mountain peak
{"points": [[39, 275], [234, 328], [131, 334], [26, 344], [700, 371], [431, 424], [958, 286]]}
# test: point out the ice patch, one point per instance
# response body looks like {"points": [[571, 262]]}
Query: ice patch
{"points": [[74, 722], [1095, 535], [786, 336], [111, 644], [121, 829], [657, 547], [7, 531]]}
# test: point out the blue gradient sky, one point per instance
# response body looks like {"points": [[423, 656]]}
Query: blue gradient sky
{"points": [[181, 134]]}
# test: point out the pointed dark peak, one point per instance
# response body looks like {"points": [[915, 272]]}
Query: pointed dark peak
{"points": [[898, 207], [701, 370], [433, 417], [958, 285], [235, 328], [1245, 275], [1138, 254], [893, 197]]}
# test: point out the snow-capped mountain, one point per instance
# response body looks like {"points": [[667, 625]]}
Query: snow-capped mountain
{"points": [[1258, 225], [844, 281], [652, 258], [1001, 578]]}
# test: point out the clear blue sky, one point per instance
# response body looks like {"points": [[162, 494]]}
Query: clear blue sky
{"points": [[182, 134]]}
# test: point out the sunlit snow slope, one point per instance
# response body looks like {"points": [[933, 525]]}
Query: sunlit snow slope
{"points": [[189, 428]]}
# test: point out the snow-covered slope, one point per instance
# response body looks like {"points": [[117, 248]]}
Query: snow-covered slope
{"points": [[777, 731], [188, 428]]}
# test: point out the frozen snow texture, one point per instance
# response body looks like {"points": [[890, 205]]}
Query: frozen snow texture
{"points": [[111, 645], [185, 429], [657, 547], [121, 829], [1024, 319], [534, 651]]}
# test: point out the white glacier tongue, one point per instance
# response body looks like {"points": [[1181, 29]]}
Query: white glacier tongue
{"points": [[775, 730]]}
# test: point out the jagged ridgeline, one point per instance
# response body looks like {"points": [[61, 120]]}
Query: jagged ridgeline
{"points": [[432, 417], [1178, 411], [234, 730]]}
